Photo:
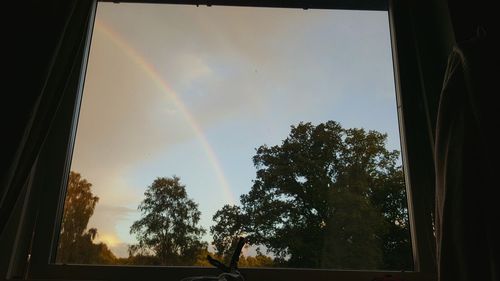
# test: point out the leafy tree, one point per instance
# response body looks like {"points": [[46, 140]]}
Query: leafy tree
{"points": [[259, 260], [201, 259], [227, 230], [139, 259], [168, 228], [75, 241], [317, 200], [390, 197]]}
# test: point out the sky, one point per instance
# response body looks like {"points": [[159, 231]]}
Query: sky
{"points": [[193, 91]]}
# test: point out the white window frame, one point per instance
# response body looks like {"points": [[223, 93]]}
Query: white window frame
{"points": [[52, 168]]}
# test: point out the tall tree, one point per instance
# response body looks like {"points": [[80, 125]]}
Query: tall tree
{"points": [[168, 228], [75, 240], [312, 202]]}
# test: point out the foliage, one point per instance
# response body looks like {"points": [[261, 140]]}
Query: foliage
{"points": [[318, 200], [227, 230], [259, 260], [168, 228], [139, 259], [75, 241], [389, 195]]}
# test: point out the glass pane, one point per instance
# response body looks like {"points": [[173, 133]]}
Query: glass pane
{"points": [[199, 125]]}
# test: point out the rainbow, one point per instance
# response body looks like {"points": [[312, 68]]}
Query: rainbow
{"points": [[156, 77]]}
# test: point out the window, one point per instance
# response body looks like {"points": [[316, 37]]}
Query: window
{"points": [[252, 94]]}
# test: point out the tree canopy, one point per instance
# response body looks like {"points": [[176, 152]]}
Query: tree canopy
{"points": [[168, 228], [75, 240], [327, 197]]}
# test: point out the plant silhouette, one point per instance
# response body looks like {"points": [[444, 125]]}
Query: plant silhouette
{"points": [[229, 273], [168, 228], [75, 240], [327, 197]]}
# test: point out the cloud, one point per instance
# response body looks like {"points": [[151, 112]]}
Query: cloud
{"points": [[118, 248], [108, 219]]}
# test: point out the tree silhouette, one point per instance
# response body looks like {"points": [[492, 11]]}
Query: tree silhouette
{"points": [[227, 230], [389, 196], [75, 241], [319, 200], [168, 228]]}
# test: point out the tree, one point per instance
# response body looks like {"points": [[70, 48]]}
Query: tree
{"points": [[227, 230], [75, 241], [312, 203], [390, 197], [168, 228], [259, 260]]}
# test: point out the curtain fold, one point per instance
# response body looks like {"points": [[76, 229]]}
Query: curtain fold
{"points": [[71, 19], [467, 156]]}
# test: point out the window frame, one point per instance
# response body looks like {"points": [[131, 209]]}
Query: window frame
{"points": [[52, 167]]}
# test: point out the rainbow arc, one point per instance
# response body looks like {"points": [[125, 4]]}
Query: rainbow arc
{"points": [[162, 84]]}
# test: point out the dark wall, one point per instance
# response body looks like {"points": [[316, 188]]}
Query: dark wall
{"points": [[468, 16], [33, 31]]}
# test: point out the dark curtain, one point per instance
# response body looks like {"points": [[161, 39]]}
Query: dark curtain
{"points": [[467, 157], [46, 45]]}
